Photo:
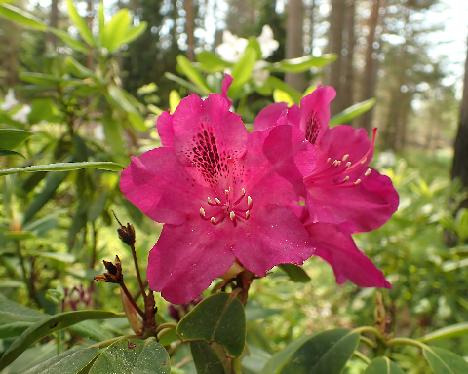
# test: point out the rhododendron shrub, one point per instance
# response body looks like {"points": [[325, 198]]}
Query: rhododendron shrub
{"points": [[234, 199]]}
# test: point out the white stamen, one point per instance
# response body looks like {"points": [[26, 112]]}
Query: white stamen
{"points": [[243, 191], [364, 160], [232, 216], [368, 171], [249, 201], [213, 220], [346, 178], [217, 201], [348, 164], [247, 214], [357, 181], [226, 192], [202, 212], [345, 157]]}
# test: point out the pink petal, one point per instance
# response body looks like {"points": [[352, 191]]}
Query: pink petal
{"points": [[347, 261], [272, 236], [158, 185], [363, 207], [315, 113], [225, 84], [269, 116], [165, 130], [186, 259]]}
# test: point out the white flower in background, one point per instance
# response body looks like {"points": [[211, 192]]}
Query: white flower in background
{"points": [[260, 74], [268, 44], [22, 114], [232, 47], [10, 100]]}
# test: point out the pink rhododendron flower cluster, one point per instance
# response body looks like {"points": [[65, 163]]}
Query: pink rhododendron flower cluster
{"points": [[288, 190]]}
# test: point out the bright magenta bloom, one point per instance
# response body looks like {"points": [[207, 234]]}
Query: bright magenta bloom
{"points": [[343, 195], [218, 196]]}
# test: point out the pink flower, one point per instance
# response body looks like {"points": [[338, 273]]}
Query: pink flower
{"points": [[342, 194], [218, 196]]}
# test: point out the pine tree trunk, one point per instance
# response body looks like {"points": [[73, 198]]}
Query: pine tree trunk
{"points": [[369, 79], [460, 147], [337, 18], [294, 34], [348, 84], [189, 28], [53, 22]]}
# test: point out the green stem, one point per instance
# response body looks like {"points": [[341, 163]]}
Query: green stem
{"points": [[131, 299], [362, 357], [167, 325], [406, 341], [371, 330]]}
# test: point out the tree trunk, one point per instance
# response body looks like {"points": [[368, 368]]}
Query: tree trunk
{"points": [[53, 22], [369, 79], [189, 28], [294, 34], [90, 18], [460, 147], [348, 83], [337, 18]]}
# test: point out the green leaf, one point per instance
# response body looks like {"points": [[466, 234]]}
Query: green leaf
{"points": [[295, 273], [459, 329], [211, 63], [68, 362], [219, 318], [133, 356], [352, 112], [101, 18], [326, 352], [183, 83], [115, 31], [5, 152], [121, 99], [187, 68], [115, 139], [273, 83], [380, 365], [10, 330], [22, 18], [80, 23], [47, 326], [174, 100], [205, 358], [444, 362], [304, 63], [279, 96], [12, 138], [134, 32], [242, 71], [70, 41], [65, 166]]}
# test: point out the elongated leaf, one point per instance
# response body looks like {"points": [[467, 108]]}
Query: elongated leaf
{"points": [[242, 71], [278, 360], [133, 356], [381, 365], [80, 23], [275, 83], [5, 152], [65, 166], [183, 83], [11, 311], [134, 32], [448, 332], [174, 100], [295, 273], [211, 63], [279, 96], [12, 138], [70, 41], [46, 327], [444, 362], [21, 17], [352, 112], [304, 63], [219, 318], [113, 35], [205, 358], [10, 330], [186, 67], [69, 362]]}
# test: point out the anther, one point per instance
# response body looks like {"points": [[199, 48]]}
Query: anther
{"points": [[357, 181], [217, 201], [243, 191], [364, 160], [202, 212], [368, 171], [348, 164], [226, 192], [346, 178], [249, 201], [247, 214], [213, 220], [232, 216], [345, 157], [329, 159]]}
